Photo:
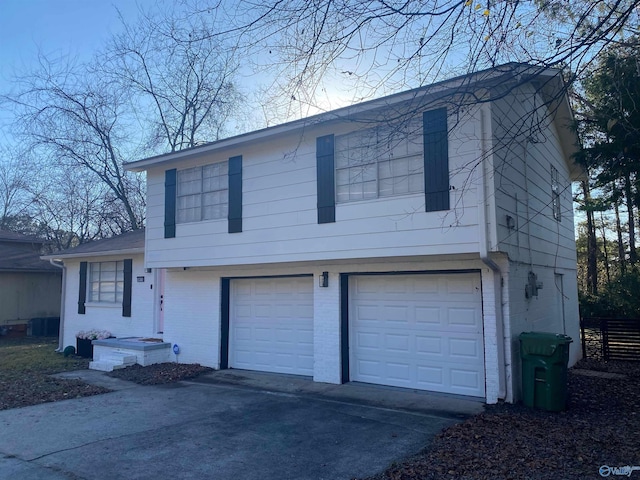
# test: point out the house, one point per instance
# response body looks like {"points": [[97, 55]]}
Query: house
{"points": [[405, 241], [107, 287], [29, 287]]}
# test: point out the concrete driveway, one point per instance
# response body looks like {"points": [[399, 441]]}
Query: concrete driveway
{"points": [[220, 428]]}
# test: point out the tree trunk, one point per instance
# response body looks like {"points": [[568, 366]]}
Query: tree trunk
{"points": [[633, 256], [605, 250], [592, 244], [622, 256]]}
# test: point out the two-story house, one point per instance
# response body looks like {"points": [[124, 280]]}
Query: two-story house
{"points": [[404, 241]]}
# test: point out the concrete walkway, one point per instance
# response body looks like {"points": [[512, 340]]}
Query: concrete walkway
{"points": [[226, 425]]}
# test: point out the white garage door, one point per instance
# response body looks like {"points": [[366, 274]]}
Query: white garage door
{"points": [[418, 331], [271, 325]]}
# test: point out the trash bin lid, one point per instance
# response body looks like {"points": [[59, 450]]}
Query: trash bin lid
{"points": [[542, 343]]}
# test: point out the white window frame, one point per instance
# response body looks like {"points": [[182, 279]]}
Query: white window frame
{"points": [[202, 193], [383, 161], [555, 194], [106, 282]]}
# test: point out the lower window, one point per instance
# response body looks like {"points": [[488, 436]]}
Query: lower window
{"points": [[106, 282]]}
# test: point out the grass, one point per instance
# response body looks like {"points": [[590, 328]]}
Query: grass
{"points": [[26, 365], [35, 355]]}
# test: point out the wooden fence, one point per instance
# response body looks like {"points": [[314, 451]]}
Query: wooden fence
{"points": [[610, 338]]}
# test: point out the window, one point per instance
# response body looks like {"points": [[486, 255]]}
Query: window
{"points": [[106, 282], [555, 194], [203, 193], [380, 162]]}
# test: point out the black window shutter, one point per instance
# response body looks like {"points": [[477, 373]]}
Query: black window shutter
{"points": [[126, 293], [325, 177], [235, 194], [436, 160], [82, 289], [225, 295], [170, 203]]}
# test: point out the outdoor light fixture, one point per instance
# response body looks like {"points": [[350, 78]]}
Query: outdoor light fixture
{"points": [[323, 280]]}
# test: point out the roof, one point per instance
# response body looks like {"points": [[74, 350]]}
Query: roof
{"points": [[21, 253], [13, 237], [549, 81], [126, 243]]}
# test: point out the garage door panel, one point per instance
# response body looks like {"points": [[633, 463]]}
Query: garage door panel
{"points": [[425, 285], [428, 315], [464, 349], [397, 343], [459, 285], [399, 372], [369, 340], [429, 345], [271, 325], [465, 379], [429, 378], [396, 313], [418, 331], [463, 317]]}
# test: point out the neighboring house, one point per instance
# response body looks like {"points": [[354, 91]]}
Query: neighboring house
{"points": [[107, 288], [403, 241], [29, 287]]}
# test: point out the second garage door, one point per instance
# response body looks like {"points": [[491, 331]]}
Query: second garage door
{"points": [[271, 325], [418, 331]]}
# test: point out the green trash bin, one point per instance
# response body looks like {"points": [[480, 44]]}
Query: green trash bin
{"points": [[545, 357]]}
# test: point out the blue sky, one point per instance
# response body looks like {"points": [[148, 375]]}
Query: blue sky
{"points": [[55, 26]]}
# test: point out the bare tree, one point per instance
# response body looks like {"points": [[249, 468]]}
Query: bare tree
{"points": [[180, 71], [15, 179], [373, 47], [165, 83], [75, 117]]}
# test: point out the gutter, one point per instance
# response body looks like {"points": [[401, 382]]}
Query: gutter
{"points": [[61, 265], [503, 389]]}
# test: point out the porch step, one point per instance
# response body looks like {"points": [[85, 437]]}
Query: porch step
{"points": [[112, 361]]}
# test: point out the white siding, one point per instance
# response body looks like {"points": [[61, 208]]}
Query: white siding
{"points": [[109, 316], [280, 216], [526, 146]]}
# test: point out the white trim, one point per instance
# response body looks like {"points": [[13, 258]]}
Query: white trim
{"points": [[106, 253]]}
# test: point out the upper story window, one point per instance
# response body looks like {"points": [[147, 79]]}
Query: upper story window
{"points": [[203, 193], [106, 282], [555, 194], [378, 162]]}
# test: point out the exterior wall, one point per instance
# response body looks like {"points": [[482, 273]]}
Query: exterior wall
{"points": [[192, 316], [526, 146], [280, 213], [29, 295], [109, 317], [193, 309]]}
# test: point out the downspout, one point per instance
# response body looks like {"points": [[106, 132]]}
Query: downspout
{"points": [[483, 241], [64, 297]]}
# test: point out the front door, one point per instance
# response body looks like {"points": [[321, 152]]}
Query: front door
{"points": [[159, 299]]}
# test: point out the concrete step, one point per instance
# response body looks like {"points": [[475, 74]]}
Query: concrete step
{"points": [[112, 361]]}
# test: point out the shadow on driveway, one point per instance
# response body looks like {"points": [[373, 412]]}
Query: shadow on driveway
{"points": [[213, 428]]}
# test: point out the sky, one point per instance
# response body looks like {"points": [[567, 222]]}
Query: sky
{"points": [[75, 27], [54, 27]]}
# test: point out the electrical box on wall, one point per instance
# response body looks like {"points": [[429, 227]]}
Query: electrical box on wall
{"points": [[532, 286]]}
